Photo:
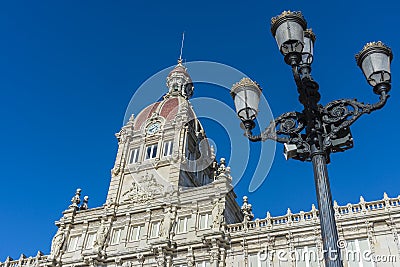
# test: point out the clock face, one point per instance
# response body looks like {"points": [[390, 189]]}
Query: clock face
{"points": [[153, 128]]}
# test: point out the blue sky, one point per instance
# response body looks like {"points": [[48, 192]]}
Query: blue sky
{"points": [[68, 70]]}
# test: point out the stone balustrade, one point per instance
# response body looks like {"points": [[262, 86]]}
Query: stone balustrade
{"points": [[302, 218], [24, 261], [341, 212]]}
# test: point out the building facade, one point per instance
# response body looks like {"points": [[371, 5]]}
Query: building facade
{"points": [[171, 203]]}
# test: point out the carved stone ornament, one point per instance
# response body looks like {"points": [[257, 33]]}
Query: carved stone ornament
{"points": [[370, 233], [168, 222], [190, 257], [136, 194], [127, 264], [131, 119], [118, 261], [214, 256], [160, 257], [91, 262], [122, 136], [218, 214], [143, 192], [140, 258], [84, 206], [75, 201], [57, 243], [101, 236], [247, 210], [221, 169]]}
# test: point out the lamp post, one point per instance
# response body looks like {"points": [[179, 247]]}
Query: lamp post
{"points": [[317, 131]]}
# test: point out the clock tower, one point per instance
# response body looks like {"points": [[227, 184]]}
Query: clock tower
{"points": [[164, 150], [169, 201]]}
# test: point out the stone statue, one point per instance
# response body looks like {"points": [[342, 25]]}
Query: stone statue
{"points": [[168, 222], [101, 235], [84, 206], [75, 200], [121, 136], [57, 243], [217, 214]]}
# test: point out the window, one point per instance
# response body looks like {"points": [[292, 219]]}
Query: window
{"points": [[182, 225], [257, 261], [134, 234], [307, 257], [355, 249], [151, 151], [115, 236], [73, 243], [203, 264], [155, 229], [204, 221], [168, 148], [90, 240], [134, 157]]}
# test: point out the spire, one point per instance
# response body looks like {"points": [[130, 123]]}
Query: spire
{"points": [[178, 80], [183, 40]]}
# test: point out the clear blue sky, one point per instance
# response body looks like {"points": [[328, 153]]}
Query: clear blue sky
{"points": [[69, 68]]}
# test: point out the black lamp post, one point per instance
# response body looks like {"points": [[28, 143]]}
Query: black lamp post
{"points": [[317, 131]]}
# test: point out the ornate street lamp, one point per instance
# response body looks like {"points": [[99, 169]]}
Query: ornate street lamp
{"points": [[317, 131]]}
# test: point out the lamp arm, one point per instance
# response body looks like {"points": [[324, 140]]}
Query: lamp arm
{"points": [[340, 114], [283, 129]]}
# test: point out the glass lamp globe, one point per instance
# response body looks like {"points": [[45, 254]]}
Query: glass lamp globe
{"points": [[287, 29], [246, 96], [374, 60]]}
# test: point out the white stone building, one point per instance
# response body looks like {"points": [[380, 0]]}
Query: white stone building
{"points": [[170, 203]]}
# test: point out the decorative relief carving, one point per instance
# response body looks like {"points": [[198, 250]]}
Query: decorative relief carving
{"points": [[393, 230], [354, 229], [370, 233], [118, 261], [137, 192], [190, 257], [91, 262], [218, 214], [214, 256], [160, 257], [140, 258]]}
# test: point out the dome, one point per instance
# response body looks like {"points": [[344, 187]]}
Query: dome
{"points": [[167, 108], [180, 90]]}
